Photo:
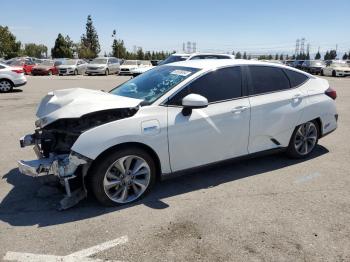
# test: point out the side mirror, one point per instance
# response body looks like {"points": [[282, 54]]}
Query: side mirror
{"points": [[193, 101]]}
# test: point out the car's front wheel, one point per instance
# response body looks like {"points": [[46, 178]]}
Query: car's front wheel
{"points": [[303, 140], [123, 176]]}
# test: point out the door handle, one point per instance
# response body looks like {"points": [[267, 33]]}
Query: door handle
{"points": [[239, 109]]}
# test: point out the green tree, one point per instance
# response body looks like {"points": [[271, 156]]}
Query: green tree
{"points": [[118, 48], [139, 54], [276, 57], [244, 55], [233, 52], [287, 57], [269, 57], [34, 50], [318, 55], [63, 47], [238, 55], [307, 57], [89, 41], [327, 56], [345, 56], [249, 57], [281, 57], [333, 54], [9, 47]]}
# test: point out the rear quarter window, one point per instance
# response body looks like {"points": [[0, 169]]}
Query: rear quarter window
{"points": [[296, 79]]}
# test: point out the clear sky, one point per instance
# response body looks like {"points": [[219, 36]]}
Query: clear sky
{"points": [[249, 25]]}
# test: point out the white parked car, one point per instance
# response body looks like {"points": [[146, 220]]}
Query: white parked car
{"points": [[336, 68], [183, 57], [11, 77], [174, 118], [72, 67], [103, 66], [129, 65]]}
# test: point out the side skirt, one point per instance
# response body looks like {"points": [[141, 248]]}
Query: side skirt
{"points": [[165, 176]]}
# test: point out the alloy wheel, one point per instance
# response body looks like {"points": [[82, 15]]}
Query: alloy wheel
{"points": [[127, 179], [5, 86], [305, 138]]}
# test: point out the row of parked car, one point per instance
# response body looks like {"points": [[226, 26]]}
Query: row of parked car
{"points": [[97, 66], [326, 68]]}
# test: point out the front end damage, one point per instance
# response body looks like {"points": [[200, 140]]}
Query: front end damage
{"points": [[52, 145]]}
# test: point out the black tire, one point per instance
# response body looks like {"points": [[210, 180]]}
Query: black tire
{"points": [[334, 74], [291, 149], [60, 74], [321, 73], [8, 86], [98, 170], [106, 72], [75, 72]]}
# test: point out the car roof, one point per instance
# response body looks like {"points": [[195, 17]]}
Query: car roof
{"points": [[207, 64]]}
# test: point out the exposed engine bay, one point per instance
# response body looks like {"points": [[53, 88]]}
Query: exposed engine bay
{"points": [[52, 145], [59, 136]]}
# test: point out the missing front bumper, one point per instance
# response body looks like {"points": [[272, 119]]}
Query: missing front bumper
{"points": [[64, 167]]}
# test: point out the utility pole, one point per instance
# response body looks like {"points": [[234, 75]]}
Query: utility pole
{"points": [[302, 46], [297, 47]]}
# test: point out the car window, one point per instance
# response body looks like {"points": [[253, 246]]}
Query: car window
{"points": [[218, 85], [295, 78], [266, 79]]}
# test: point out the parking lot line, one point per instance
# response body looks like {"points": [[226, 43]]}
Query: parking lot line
{"points": [[82, 255]]}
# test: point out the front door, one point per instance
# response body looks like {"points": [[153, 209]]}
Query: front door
{"points": [[217, 132]]}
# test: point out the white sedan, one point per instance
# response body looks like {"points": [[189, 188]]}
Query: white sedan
{"points": [[173, 118], [336, 68], [11, 77]]}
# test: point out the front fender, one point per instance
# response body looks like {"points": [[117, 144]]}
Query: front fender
{"points": [[148, 127]]}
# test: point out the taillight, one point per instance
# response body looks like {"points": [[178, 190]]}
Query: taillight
{"points": [[331, 93], [18, 71]]}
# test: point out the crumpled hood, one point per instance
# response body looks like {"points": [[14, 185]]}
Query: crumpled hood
{"points": [[76, 102]]}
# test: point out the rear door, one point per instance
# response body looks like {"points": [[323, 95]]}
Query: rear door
{"points": [[217, 132], [276, 105]]}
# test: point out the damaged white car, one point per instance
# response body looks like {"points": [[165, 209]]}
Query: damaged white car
{"points": [[174, 118]]}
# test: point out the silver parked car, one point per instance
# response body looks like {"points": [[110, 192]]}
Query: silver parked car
{"points": [[72, 67], [103, 66]]}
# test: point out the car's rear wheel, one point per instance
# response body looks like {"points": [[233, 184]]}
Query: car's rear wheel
{"points": [[5, 85], [107, 72], [334, 74], [123, 176], [303, 140], [75, 72]]}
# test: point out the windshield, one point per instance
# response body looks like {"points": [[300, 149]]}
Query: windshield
{"points": [[71, 62], [47, 63], [317, 63], [172, 59], [154, 83], [130, 62], [99, 61]]}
